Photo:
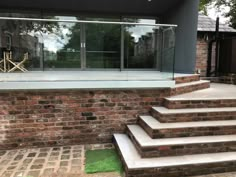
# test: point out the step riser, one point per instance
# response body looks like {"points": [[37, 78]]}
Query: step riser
{"points": [[170, 104], [192, 117], [183, 171], [136, 144], [187, 132], [178, 171], [190, 88], [171, 167], [177, 150], [186, 79]]}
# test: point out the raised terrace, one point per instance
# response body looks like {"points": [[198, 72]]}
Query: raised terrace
{"points": [[91, 79]]}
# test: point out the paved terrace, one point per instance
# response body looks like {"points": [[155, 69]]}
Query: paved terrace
{"points": [[86, 79], [88, 76]]}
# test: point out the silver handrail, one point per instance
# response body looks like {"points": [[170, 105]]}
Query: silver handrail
{"points": [[86, 21]]}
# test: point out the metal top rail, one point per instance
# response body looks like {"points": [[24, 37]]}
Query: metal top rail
{"points": [[85, 21]]}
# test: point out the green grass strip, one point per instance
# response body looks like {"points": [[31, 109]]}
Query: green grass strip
{"points": [[102, 161]]}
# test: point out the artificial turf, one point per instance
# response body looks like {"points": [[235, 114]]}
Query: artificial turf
{"points": [[102, 161]]}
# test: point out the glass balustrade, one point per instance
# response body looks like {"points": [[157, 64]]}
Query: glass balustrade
{"points": [[72, 43]]}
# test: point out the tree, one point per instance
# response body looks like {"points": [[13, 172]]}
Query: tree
{"points": [[231, 14], [221, 5], [203, 5]]}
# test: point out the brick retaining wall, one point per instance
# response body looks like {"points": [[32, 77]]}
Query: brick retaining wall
{"points": [[51, 118]]}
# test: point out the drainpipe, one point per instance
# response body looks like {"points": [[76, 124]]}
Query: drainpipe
{"points": [[209, 57], [217, 46], [209, 62]]}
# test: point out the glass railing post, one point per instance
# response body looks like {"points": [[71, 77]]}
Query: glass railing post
{"points": [[122, 48], [174, 57]]}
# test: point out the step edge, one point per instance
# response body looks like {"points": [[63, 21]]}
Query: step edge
{"points": [[166, 111], [196, 126], [143, 144], [138, 162], [200, 99], [190, 75]]}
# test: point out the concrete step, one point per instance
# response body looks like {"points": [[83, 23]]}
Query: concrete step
{"points": [[189, 87], [178, 166], [181, 103], [193, 114], [186, 79], [148, 147], [155, 129]]}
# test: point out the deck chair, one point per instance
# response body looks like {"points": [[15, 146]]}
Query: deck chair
{"points": [[17, 65], [2, 65], [7, 56]]}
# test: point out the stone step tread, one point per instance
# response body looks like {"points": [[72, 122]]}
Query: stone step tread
{"points": [[177, 75], [146, 141], [163, 110], [134, 161], [155, 124], [189, 98], [191, 83]]}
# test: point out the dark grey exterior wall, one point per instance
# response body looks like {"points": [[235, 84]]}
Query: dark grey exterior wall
{"points": [[185, 15], [109, 7]]}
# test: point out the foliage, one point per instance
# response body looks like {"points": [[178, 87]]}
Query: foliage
{"points": [[203, 5], [219, 5], [232, 10], [27, 27]]}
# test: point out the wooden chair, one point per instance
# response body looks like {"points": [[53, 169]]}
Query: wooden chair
{"points": [[2, 65], [17, 65], [7, 56]]}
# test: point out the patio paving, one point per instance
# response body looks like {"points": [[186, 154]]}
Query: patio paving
{"points": [[87, 76], [67, 161]]}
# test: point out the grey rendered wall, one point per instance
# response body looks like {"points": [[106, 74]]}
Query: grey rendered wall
{"points": [[185, 15]]}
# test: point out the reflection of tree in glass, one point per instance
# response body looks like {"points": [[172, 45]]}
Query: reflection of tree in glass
{"points": [[140, 46], [103, 43], [27, 36]]}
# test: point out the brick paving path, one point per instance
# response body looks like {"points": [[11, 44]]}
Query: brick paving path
{"points": [[54, 162]]}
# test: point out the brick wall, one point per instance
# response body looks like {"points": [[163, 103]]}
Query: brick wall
{"points": [[201, 56], [50, 118], [228, 79]]}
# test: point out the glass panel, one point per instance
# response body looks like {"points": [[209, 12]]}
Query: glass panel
{"points": [[168, 49], [62, 44], [50, 45], [20, 37], [103, 42], [140, 45], [57, 45]]}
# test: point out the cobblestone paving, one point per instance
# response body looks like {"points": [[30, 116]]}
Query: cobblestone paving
{"points": [[41, 162], [46, 162], [54, 162]]}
